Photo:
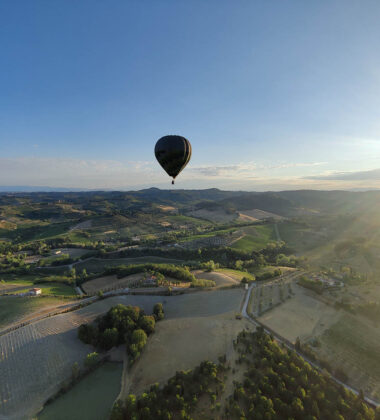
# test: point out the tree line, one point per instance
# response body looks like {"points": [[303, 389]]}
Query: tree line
{"points": [[170, 270]]}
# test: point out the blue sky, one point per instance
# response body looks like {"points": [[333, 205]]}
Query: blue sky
{"points": [[272, 95]]}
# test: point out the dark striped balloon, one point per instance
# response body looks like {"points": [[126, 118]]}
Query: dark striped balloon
{"points": [[173, 154]]}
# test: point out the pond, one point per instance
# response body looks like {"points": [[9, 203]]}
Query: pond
{"points": [[90, 399]]}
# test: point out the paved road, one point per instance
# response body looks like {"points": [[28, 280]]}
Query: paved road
{"points": [[290, 346]]}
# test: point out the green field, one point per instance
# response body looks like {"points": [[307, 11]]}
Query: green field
{"points": [[22, 280], [256, 238], [15, 308], [90, 399], [36, 232], [52, 289]]}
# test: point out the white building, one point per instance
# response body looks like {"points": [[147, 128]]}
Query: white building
{"points": [[35, 292]]}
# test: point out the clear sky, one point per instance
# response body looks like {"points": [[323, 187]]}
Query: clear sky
{"points": [[271, 94]]}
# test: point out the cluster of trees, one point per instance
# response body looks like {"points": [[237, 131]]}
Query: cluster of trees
{"points": [[170, 270], [13, 261], [177, 398], [281, 385], [286, 260], [122, 324], [209, 266], [203, 283]]}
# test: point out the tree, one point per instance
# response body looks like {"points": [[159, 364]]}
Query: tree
{"points": [[88, 333], [84, 274], [109, 338], [92, 359], [158, 311], [139, 338], [239, 265], [147, 323], [208, 266]]}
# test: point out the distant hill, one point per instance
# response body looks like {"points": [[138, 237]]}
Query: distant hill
{"points": [[284, 203], [28, 189]]}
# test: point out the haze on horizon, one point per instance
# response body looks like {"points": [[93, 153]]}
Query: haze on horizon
{"points": [[271, 96]]}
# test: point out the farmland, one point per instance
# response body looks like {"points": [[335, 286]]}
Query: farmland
{"points": [[353, 344], [205, 318], [257, 214], [255, 237], [52, 289], [301, 316], [218, 216], [107, 283], [90, 399], [43, 353], [344, 340], [189, 229], [14, 309], [219, 278]]}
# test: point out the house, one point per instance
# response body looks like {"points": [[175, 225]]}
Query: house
{"points": [[35, 292], [150, 281]]}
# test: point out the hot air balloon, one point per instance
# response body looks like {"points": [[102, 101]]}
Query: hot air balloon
{"points": [[173, 154]]}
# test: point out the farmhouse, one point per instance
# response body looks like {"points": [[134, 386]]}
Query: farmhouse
{"points": [[35, 291], [150, 281]]}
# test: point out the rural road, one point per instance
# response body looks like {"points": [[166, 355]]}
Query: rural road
{"points": [[291, 347]]}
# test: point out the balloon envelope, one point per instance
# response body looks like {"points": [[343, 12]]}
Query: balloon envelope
{"points": [[173, 154]]}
